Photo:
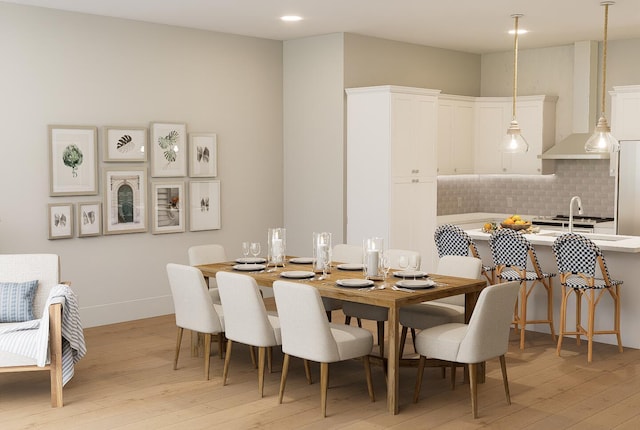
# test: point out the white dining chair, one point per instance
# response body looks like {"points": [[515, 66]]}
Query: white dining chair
{"points": [[194, 309], [341, 253], [208, 254], [307, 334], [378, 313], [485, 337], [247, 320]]}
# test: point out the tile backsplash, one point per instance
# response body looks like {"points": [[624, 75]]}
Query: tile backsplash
{"points": [[537, 195]]}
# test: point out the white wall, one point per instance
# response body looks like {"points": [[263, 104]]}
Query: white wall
{"points": [[75, 69]]}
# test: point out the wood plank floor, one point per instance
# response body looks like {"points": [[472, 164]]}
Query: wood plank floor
{"points": [[126, 381]]}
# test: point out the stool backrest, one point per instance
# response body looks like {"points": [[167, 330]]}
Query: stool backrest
{"points": [[452, 240], [510, 248], [577, 254]]}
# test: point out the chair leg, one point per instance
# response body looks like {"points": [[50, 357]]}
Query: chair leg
{"points": [[523, 312], [381, 337], [324, 385], [367, 370], [578, 314], [227, 359], [283, 378], [421, 363], [359, 322], [616, 317], [563, 318], [473, 383], [252, 351], [453, 376], [347, 320], [329, 315], [221, 340], [178, 342], [207, 355], [270, 359], [413, 338], [503, 367], [549, 288], [307, 371], [262, 352], [403, 339]]}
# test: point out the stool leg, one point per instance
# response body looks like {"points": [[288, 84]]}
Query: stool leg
{"points": [[523, 312]]}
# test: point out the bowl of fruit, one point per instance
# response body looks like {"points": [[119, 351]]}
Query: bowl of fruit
{"points": [[515, 222]]}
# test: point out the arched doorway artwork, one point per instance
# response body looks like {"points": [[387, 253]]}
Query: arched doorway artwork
{"points": [[125, 204]]}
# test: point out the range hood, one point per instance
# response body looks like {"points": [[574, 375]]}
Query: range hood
{"points": [[585, 63]]}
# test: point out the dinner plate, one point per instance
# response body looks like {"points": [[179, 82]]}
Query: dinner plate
{"points": [[249, 267], [349, 266], [251, 260], [354, 283], [416, 284], [410, 274], [301, 260], [297, 274]]}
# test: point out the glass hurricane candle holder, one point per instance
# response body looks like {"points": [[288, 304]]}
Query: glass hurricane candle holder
{"points": [[322, 253], [372, 251], [276, 246]]}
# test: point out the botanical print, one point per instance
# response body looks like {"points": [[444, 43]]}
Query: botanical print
{"points": [[125, 144], [89, 220], [170, 145], [202, 158], [72, 157], [60, 220], [73, 160], [205, 205], [168, 150]]}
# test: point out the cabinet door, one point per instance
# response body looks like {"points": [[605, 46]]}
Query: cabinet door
{"points": [[491, 125], [445, 138], [463, 138], [625, 111]]}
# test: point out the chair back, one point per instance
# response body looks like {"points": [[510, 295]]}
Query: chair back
{"points": [[576, 254], [306, 332], [245, 317], [452, 240], [206, 254], [343, 253], [487, 335], [462, 267], [28, 267], [192, 303], [395, 254]]}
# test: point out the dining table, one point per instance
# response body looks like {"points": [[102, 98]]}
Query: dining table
{"points": [[388, 297]]}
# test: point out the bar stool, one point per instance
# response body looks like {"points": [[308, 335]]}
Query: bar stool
{"points": [[577, 257], [511, 253], [452, 240]]}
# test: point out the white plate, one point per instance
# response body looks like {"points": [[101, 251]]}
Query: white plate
{"points": [[416, 284], [354, 283], [410, 274], [249, 267], [297, 274], [350, 266], [301, 260], [251, 260]]}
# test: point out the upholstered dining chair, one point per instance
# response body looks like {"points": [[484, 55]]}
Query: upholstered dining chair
{"points": [[486, 336], [341, 253], [577, 258], [512, 255], [208, 254], [377, 313], [194, 309], [452, 240], [307, 334], [247, 320]]}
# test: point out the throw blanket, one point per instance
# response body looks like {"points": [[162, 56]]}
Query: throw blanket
{"points": [[31, 338]]}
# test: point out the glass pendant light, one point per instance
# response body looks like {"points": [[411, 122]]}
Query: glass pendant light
{"points": [[514, 142], [602, 140]]}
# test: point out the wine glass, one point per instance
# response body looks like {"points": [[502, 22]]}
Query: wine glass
{"points": [[255, 249], [413, 265], [386, 265], [403, 263], [246, 248]]}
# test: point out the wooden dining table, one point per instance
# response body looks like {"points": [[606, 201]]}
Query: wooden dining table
{"points": [[389, 298]]}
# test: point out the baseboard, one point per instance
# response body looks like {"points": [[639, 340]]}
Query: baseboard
{"points": [[92, 316]]}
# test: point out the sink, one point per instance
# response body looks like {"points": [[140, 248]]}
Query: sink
{"points": [[603, 237]]}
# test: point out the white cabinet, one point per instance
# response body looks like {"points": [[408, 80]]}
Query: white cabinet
{"points": [[536, 116], [625, 112], [455, 134], [391, 167]]}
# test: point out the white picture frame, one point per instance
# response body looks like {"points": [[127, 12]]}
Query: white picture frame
{"points": [[204, 205], [125, 144], [89, 219], [168, 149], [73, 160], [203, 155], [168, 207], [60, 220], [125, 197]]}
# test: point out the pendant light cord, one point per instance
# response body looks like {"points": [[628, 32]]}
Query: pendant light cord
{"points": [[515, 68], [604, 58]]}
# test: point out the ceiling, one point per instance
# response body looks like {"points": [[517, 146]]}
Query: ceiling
{"points": [[476, 26]]}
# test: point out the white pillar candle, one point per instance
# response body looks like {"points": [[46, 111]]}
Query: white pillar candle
{"points": [[372, 263]]}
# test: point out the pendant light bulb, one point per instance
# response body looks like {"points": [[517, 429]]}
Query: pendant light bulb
{"points": [[514, 142]]}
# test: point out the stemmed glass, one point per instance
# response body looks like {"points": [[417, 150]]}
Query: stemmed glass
{"points": [[255, 249], [403, 263], [386, 266], [246, 247], [413, 265]]}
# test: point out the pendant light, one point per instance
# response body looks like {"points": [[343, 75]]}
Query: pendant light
{"points": [[602, 140], [514, 142]]}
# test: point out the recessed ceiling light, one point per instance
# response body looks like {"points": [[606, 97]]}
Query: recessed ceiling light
{"points": [[291, 18]]}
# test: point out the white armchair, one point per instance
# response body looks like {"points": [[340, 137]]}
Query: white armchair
{"points": [[22, 268]]}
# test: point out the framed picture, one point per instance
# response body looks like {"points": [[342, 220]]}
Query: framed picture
{"points": [[125, 195], [125, 144], [168, 207], [60, 220], [73, 160], [204, 205], [203, 158], [168, 149], [89, 219]]}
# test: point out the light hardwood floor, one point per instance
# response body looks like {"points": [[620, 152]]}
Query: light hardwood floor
{"points": [[126, 381]]}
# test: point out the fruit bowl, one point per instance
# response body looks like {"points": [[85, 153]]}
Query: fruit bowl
{"points": [[516, 226]]}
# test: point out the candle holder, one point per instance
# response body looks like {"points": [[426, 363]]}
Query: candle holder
{"points": [[276, 246], [322, 253], [372, 251]]}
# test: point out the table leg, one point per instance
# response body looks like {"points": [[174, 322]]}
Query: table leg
{"points": [[393, 362]]}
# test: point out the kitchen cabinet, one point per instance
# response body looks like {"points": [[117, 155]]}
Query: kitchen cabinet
{"points": [[392, 167], [625, 111], [455, 134], [536, 116]]}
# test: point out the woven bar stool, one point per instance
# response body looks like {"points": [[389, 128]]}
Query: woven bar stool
{"points": [[452, 240], [512, 253], [577, 259]]}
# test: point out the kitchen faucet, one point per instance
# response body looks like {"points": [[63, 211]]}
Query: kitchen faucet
{"points": [[577, 200]]}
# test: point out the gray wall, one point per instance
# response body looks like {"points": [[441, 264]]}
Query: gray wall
{"points": [[75, 69]]}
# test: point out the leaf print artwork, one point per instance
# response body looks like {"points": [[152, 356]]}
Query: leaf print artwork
{"points": [[72, 157], [124, 144], [169, 144]]}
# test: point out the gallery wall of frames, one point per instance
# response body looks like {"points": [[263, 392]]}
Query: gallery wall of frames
{"points": [[159, 178]]}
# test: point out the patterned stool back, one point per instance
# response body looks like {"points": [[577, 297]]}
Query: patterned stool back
{"points": [[510, 248], [577, 254], [452, 240]]}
